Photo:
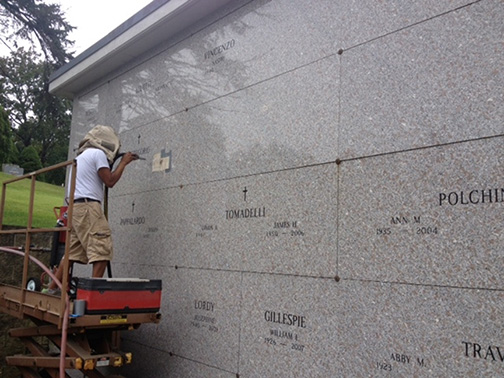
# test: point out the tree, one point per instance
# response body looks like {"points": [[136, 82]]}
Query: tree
{"points": [[42, 25], [38, 118], [20, 76], [6, 143], [29, 159]]}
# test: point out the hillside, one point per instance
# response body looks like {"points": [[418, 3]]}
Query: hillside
{"points": [[47, 197]]}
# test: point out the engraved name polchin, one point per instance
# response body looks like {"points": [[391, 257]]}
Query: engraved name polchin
{"points": [[471, 197]]}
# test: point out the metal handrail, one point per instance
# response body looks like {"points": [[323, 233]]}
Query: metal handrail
{"points": [[29, 230], [65, 302], [40, 171], [64, 295]]}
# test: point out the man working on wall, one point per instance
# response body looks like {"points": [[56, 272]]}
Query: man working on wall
{"points": [[90, 238]]}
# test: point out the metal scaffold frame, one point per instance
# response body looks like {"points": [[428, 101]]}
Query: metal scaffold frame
{"points": [[83, 342]]}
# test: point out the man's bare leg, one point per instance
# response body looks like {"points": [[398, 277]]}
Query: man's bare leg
{"points": [[59, 274], [99, 268]]}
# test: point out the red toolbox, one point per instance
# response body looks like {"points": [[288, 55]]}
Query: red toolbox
{"points": [[119, 295]]}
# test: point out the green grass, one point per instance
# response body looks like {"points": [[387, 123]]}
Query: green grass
{"points": [[47, 197]]}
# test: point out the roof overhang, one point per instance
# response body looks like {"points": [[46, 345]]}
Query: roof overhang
{"points": [[151, 26]]}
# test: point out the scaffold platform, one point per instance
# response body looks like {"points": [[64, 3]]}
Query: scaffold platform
{"points": [[60, 339]]}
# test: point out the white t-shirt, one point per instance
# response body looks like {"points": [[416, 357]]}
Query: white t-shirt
{"points": [[88, 183]]}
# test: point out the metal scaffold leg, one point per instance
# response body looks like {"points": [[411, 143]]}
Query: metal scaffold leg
{"points": [[86, 350]]}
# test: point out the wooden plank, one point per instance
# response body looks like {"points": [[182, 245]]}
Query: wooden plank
{"points": [[44, 302], [44, 362], [34, 347], [33, 230], [44, 330], [37, 305]]}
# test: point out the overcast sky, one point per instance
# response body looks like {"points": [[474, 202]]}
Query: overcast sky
{"points": [[94, 19]]}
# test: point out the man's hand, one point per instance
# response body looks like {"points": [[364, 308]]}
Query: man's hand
{"points": [[128, 157], [110, 178]]}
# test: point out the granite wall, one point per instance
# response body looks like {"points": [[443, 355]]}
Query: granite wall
{"points": [[323, 191]]}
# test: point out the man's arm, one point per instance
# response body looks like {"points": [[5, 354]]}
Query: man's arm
{"points": [[110, 178]]}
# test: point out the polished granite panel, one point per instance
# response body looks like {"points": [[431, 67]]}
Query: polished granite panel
{"points": [[88, 111], [410, 330], [202, 319], [431, 216], [361, 21], [216, 61], [282, 222], [262, 128], [144, 227], [268, 105], [225, 56], [425, 85], [291, 326], [299, 326]]}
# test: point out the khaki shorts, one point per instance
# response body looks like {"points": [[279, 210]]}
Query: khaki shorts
{"points": [[90, 238]]}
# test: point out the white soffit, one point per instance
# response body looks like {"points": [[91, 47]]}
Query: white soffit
{"points": [[156, 24]]}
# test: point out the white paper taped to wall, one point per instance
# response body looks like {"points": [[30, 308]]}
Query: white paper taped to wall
{"points": [[161, 162]]}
